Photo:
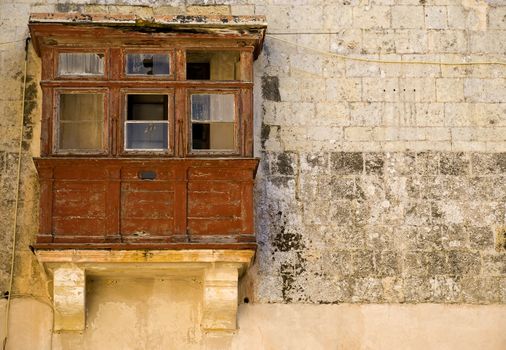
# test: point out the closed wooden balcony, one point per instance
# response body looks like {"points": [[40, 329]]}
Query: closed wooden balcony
{"points": [[146, 203]]}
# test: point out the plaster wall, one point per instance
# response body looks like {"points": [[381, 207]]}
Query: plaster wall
{"points": [[120, 320]]}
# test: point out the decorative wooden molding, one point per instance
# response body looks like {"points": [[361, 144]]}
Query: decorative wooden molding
{"points": [[220, 271]]}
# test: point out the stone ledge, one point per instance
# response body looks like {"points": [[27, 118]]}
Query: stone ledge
{"points": [[219, 269]]}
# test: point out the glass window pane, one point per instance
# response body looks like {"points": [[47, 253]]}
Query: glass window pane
{"points": [[213, 65], [146, 125], [213, 107], [213, 126], [147, 107], [146, 135], [81, 121], [147, 64], [80, 63]]}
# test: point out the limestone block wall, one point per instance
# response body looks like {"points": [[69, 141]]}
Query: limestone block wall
{"points": [[381, 180]]}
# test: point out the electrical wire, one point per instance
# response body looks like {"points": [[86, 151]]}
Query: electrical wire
{"points": [[12, 42], [373, 60], [16, 206]]}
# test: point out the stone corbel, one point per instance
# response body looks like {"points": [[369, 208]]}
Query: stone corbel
{"points": [[220, 271]]}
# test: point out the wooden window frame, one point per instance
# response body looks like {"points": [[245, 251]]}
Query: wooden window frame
{"points": [[115, 84], [106, 138], [101, 50], [237, 151], [124, 92], [217, 49], [147, 50]]}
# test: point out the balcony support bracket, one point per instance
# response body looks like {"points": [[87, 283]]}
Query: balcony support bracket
{"points": [[219, 270]]}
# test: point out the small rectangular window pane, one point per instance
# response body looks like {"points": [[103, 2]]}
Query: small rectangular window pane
{"points": [[81, 121], [146, 125], [147, 135], [80, 63], [213, 126], [147, 64], [213, 65], [213, 107]]}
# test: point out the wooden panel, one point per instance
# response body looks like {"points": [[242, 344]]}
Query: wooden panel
{"points": [[228, 174], [75, 226], [147, 204], [146, 227], [224, 209], [213, 226], [80, 173], [147, 208], [132, 173], [99, 201]]}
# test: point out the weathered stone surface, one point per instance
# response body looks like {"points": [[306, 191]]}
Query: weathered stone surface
{"points": [[402, 226]]}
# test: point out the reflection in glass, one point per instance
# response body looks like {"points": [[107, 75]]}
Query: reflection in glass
{"points": [[147, 135], [213, 117], [80, 63], [81, 121], [146, 125], [147, 64]]}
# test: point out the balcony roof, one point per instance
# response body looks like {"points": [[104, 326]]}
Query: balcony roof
{"points": [[51, 28]]}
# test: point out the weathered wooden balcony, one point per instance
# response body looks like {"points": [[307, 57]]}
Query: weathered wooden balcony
{"points": [[125, 203]]}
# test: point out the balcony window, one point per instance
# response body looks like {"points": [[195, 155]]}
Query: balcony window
{"points": [[147, 122], [80, 126]]}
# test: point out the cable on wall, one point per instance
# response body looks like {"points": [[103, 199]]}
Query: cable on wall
{"points": [[16, 206], [372, 60]]}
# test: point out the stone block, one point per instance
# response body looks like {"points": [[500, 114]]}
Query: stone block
{"points": [[445, 289], [418, 90], [379, 41], [358, 133], [208, 10], [450, 90], [385, 133], [332, 113], [479, 290], [366, 113], [306, 18], [436, 17], [374, 17], [337, 17], [488, 42], [69, 292], [346, 41], [387, 263], [242, 10], [278, 17], [494, 264], [363, 69], [220, 299], [484, 90], [464, 263], [481, 238], [497, 17], [454, 164], [404, 17], [411, 41], [380, 89], [368, 288], [421, 70], [447, 41], [374, 163], [343, 89]]}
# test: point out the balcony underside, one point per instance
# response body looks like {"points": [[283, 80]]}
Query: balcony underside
{"points": [[219, 271]]}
